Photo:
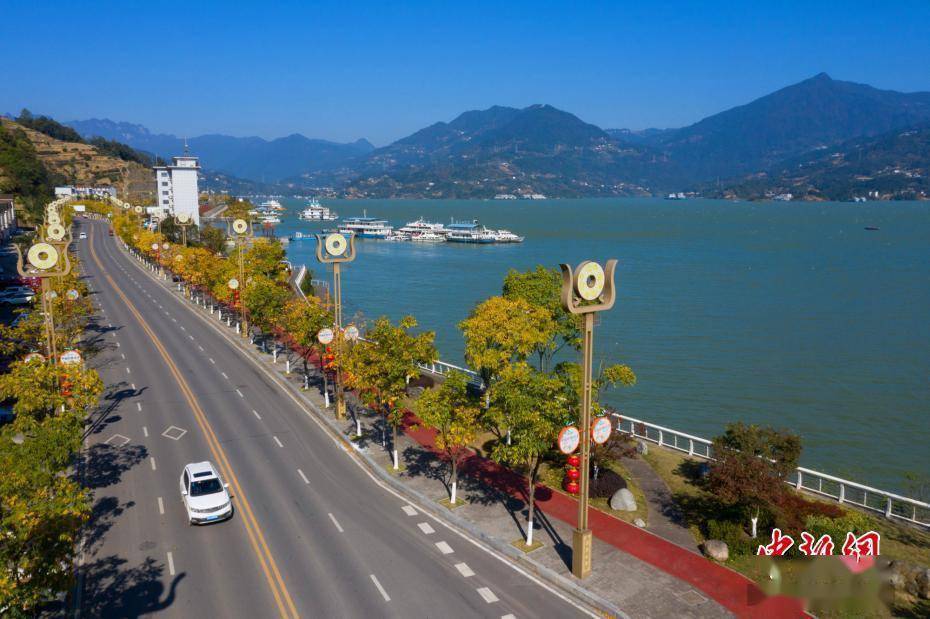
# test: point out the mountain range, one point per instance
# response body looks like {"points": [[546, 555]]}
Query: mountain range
{"points": [[541, 149]]}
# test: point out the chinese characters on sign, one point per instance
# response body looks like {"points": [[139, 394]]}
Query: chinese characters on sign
{"points": [[865, 545]]}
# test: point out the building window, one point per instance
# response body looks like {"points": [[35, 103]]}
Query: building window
{"points": [[164, 183], [164, 193]]}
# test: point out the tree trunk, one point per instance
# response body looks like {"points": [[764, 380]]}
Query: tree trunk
{"points": [[455, 479], [394, 443], [531, 479]]}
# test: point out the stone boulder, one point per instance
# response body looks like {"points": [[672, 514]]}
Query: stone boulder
{"points": [[716, 550], [642, 447], [623, 500], [922, 582], [639, 522]]}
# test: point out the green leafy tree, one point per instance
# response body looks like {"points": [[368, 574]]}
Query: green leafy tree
{"points": [[533, 405], [751, 465], [41, 390], [541, 287], [212, 238], [264, 300], [382, 366], [455, 413]]}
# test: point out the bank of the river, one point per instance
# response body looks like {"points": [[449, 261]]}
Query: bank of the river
{"points": [[786, 314]]}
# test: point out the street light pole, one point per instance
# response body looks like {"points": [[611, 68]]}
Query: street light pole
{"points": [[586, 290], [335, 249], [243, 231]]}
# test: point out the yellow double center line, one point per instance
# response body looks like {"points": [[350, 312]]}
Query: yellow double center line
{"points": [[283, 599]]}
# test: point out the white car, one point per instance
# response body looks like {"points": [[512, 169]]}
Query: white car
{"points": [[204, 494], [83, 235], [16, 297]]}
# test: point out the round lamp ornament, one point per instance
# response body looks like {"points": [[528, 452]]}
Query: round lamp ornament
{"points": [[240, 226], [53, 218], [51, 295], [183, 218], [336, 244], [138, 208], [233, 284], [600, 430], [56, 232], [155, 246], [33, 356], [569, 437], [179, 257], [42, 256], [325, 336], [70, 357], [589, 281], [351, 333], [73, 295]]}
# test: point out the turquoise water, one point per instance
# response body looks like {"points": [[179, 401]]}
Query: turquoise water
{"points": [[786, 314]]}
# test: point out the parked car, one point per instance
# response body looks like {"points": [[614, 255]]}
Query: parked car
{"points": [[16, 297], [205, 496], [83, 235]]}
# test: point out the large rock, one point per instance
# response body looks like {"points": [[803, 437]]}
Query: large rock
{"points": [[623, 501], [642, 447], [640, 523], [922, 580], [716, 550]]}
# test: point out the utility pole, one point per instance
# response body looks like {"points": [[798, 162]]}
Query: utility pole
{"points": [[335, 249], [586, 290], [241, 231]]}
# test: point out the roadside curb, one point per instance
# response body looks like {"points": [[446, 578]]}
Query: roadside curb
{"points": [[564, 585]]}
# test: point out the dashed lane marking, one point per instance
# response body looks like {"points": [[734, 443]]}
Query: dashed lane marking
{"points": [[487, 594], [255, 412], [222, 373], [161, 506], [170, 564], [127, 369], [444, 548], [409, 510], [464, 570], [303, 477], [139, 406], [240, 393], [426, 528], [145, 431], [336, 522], [212, 361], [381, 590], [277, 441], [152, 460]]}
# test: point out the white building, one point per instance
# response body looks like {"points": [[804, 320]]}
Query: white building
{"points": [[176, 187]]}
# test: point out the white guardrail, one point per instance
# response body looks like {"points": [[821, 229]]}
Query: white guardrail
{"points": [[841, 490]]}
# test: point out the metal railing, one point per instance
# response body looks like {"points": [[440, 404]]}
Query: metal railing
{"points": [[889, 504], [441, 368]]}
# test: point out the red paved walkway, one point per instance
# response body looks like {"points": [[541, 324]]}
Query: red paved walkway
{"points": [[732, 590]]}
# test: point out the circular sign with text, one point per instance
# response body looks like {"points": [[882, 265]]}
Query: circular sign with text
{"points": [[351, 333], [70, 357], [233, 283], [325, 336], [600, 430], [569, 437], [73, 295]]}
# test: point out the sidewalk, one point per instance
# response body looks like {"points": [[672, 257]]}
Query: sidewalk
{"points": [[634, 570], [664, 518]]}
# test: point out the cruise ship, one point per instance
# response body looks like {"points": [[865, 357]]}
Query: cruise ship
{"points": [[315, 211], [469, 232], [366, 227], [423, 231]]}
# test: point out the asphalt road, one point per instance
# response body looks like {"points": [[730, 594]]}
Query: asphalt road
{"points": [[313, 534]]}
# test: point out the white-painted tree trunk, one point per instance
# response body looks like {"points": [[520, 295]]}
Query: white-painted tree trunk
{"points": [[358, 426], [395, 460], [326, 399], [529, 532], [508, 437], [287, 365], [454, 484], [755, 522]]}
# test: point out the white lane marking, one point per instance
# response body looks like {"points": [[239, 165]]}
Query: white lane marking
{"points": [[123, 355], [509, 616], [240, 393], [127, 369], [255, 412], [174, 320], [464, 570], [409, 510], [153, 463], [426, 528], [133, 385], [139, 406], [381, 590], [117, 344], [114, 334], [336, 522], [212, 361], [145, 431], [444, 548], [223, 373], [200, 347], [191, 337], [303, 477], [277, 441], [487, 594], [161, 506], [170, 564]]}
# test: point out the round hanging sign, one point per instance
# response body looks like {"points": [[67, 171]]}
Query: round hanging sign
{"points": [[155, 246], [73, 295], [569, 437], [33, 356], [351, 333], [233, 283], [600, 430], [71, 357], [325, 336]]}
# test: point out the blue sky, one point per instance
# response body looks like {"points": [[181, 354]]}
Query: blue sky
{"points": [[380, 70]]}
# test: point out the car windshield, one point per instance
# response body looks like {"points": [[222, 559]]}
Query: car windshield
{"points": [[206, 486]]}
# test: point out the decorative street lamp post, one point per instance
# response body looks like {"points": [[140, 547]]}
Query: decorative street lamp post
{"points": [[586, 290], [241, 231], [335, 249]]}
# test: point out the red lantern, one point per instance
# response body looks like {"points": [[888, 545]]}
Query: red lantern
{"points": [[573, 474], [574, 460], [572, 487]]}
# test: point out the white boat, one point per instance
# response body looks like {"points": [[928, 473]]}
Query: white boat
{"points": [[420, 226], [469, 232], [315, 211], [271, 205], [506, 236], [366, 227], [428, 237]]}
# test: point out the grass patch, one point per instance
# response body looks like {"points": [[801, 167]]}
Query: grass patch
{"points": [[389, 467], [520, 544], [447, 503]]}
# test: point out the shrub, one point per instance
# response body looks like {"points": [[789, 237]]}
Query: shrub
{"points": [[837, 528], [738, 542], [606, 484], [792, 510]]}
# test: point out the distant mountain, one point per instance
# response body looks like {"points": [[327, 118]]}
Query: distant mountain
{"points": [[816, 113], [481, 153], [895, 165], [637, 136], [250, 158]]}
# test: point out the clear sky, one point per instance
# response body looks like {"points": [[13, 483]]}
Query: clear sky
{"points": [[381, 70]]}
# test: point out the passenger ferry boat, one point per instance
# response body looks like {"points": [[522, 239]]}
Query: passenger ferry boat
{"points": [[420, 226], [366, 227], [315, 211], [270, 205], [469, 232], [506, 236]]}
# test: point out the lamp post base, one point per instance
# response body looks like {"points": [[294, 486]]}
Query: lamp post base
{"points": [[581, 553]]}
